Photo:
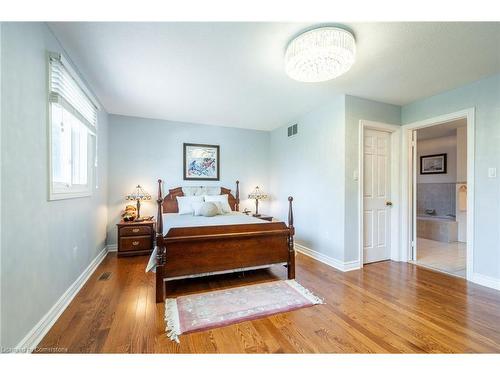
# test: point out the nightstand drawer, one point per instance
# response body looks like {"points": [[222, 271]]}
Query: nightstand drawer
{"points": [[135, 231], [136, 243]]}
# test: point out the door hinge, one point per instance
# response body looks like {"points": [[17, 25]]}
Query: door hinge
{"points": [[412, 244]]}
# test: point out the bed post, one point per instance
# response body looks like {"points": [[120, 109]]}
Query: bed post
{"points": [[237, 205], [291, 249], [160, 252]]}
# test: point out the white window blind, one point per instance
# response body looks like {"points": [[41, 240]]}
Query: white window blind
{"points": [[73, 132], [69, 91]]}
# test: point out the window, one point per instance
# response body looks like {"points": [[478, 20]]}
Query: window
{"points": [[73, 132]]}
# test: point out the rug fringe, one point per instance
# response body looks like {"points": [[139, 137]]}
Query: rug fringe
{"points": [[173, 327], [306, 292]]}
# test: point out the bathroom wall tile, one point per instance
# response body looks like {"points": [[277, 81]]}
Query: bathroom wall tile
{"points": [[440, 197]]}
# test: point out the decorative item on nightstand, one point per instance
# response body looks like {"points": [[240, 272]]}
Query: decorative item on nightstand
{"points": [[258, 195], [138, 195]]}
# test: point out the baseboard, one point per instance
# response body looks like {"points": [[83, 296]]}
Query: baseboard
{"points": [[112, 248], [487, 281], [37, 333], [332, 262]]}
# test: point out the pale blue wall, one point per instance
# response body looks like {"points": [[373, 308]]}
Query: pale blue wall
{"points": [[484, 96], [45, 245], [143, 150], [359, 109], [311, 167]]}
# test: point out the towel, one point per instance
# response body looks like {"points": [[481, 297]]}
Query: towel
{"points": [[462, 198]]}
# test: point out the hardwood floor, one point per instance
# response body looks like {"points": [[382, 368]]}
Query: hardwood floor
{"points": [[387, 307]]}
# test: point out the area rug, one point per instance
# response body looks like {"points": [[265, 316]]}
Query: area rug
{"points": [[202, 311]]}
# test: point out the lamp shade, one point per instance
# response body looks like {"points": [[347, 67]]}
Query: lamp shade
{"points": [[138, 195], [257, 194]]}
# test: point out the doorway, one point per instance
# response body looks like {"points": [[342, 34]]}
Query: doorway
{"points": [[438, 186], [441, 197]]}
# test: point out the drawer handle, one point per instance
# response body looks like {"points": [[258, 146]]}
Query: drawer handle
{"points": [[135, 243], [135, 230]]}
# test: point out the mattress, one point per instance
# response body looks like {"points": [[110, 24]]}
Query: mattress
{"points": [[174, 220]]}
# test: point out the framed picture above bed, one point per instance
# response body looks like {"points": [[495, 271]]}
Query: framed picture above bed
{"points": [[201, 162], [433, 164]]}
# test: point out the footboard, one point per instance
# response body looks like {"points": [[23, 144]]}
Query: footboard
{"points": [[198, 250]]}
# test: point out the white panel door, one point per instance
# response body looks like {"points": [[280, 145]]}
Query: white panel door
{"points": [[376, 196]]}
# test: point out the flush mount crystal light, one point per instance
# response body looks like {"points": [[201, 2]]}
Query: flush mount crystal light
{"points": [[320, 55]]}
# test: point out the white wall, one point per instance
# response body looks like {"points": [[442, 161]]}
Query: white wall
{"points": [[442, 145], [484, 96], [143, 150], [45, 245], [310, 166]]}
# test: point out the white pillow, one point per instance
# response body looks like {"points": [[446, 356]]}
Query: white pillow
{"points": [[197, 208], [185, 204], [224, 206], [209, 209]]}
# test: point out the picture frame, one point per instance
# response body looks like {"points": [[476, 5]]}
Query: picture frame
{"points": [[433, 164], [201, 162]]}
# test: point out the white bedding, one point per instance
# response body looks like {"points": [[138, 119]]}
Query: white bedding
{"points": [[174, 220]]}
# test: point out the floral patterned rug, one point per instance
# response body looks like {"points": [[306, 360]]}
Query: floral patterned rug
{"points": [[202, 311]]}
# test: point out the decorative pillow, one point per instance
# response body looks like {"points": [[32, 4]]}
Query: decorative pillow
{"points": [[197, 207], [208, 209], [223, 199], [185, 204]]}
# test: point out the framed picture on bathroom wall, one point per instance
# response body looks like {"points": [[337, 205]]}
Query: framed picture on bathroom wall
{"points": [[433, 164]]}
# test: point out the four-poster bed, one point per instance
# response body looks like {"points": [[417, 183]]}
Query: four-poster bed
{"points": [[189, 251]]}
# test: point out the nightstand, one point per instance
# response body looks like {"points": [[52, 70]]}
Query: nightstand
{"points": [[265, 217], [135, 238]]}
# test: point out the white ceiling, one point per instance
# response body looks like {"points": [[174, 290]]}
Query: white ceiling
{"points": [[232, 74], [442, 130]]}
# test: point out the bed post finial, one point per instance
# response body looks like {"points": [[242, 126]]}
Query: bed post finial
{"points": [[237, 205], [290, 212], [291, 248]]}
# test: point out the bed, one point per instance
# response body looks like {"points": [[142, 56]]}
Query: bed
{"points": [[191, 246]]}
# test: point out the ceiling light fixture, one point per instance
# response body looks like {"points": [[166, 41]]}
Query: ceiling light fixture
{"points": [[320, 55]]}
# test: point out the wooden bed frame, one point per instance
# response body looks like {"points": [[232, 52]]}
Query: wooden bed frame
{"points": [[218, 248]]}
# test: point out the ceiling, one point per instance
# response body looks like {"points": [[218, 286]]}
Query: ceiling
{"points": [[442, 130], [232, 74]]}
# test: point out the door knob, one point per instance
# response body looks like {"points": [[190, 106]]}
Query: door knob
{"points": [[388, 204]]}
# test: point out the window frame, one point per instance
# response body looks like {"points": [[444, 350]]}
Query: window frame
{"points": [[57, 191]]}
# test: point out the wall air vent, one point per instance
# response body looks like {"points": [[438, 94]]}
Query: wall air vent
{"points": [[292, 130]]}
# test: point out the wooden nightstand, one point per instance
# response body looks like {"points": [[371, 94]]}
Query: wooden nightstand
{"points": [[135, 238]]}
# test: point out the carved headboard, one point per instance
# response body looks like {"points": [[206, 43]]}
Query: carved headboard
{"points": [[169, 204]]}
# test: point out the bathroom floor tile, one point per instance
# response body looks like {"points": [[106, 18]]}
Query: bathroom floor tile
{"points": [[448, 257]]}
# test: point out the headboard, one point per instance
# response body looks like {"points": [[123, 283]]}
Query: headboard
{"points": [[169, 204]]}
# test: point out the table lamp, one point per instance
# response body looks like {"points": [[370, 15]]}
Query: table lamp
{"points": [[258, 195], [138, 195]]}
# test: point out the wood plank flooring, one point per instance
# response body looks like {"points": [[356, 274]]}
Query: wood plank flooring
{"points": [[387, 307]]}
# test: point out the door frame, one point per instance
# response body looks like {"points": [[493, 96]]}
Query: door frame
{"points": [[395, 133], [407, 198]]}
